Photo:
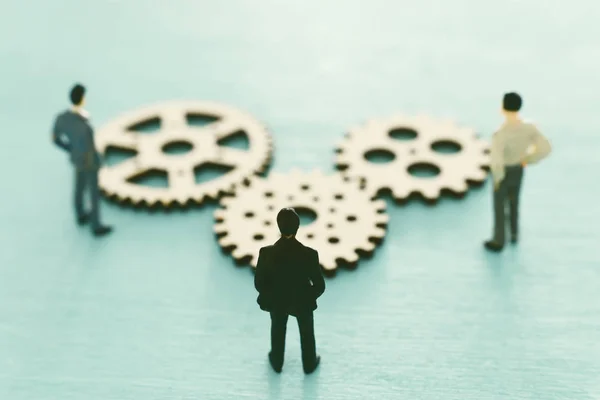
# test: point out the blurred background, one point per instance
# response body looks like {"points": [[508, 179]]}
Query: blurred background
{"points": [[156, 311]]}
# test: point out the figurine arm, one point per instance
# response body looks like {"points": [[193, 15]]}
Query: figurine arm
{"points": [[261, 277], [539, 149], [316, 277], [497, 158], [59, 137]]}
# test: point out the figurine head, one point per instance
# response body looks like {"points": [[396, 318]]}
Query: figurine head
{"points": [[511, 103], [77, 95], [288, 222]]}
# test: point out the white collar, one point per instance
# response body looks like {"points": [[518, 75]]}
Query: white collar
{"points": [[84, 113]]}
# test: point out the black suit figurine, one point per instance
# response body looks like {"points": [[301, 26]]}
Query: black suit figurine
{"points": [[73, 133], [289, 281]]}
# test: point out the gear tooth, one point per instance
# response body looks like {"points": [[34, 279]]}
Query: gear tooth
{"points": [[225, 241], [340, 144], [382, 218], [351, 257], [219, 213], [215, 193], [219, 229], [401, 192], [459, 186], [379, 233], [371, 191], [329, 265], [369, 246], [150, 202], [238, 253], [182, 200], [478, 175], [225, 201], [379, 204], [341, 161], [253, 261], [430, 193]]}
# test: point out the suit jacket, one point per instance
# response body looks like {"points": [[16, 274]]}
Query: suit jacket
{"points": [[288, 277], [73, 133]]}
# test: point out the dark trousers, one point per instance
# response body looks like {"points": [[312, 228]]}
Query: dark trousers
{"points": [[507, 194], [87, 179], [307, 338]]}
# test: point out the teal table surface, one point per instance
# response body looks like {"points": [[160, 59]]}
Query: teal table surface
{"points": [[156, 311]]}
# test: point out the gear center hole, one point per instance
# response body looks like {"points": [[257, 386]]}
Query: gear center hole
{"points": [[307, 215], [177, 147]]}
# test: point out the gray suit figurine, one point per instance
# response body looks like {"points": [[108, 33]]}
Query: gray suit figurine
{"points": [[73, 133], [514, 146]]}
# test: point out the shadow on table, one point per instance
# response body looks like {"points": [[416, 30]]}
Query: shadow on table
{"points": [[274, 384], [310, 386]]}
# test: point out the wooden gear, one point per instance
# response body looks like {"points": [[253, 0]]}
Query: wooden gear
{"points": [[182, 187], [347, 220], [455, 169]]}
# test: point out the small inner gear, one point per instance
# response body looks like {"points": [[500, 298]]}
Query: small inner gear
{"points": [[346, 220], [409, 146], [161, 151]]}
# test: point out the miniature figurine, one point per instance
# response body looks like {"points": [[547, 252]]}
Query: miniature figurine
{"points": [[73, 133], [289, 281], [515, 145]]}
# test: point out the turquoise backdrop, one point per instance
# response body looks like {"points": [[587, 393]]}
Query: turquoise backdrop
{"points": [[155, 311]]}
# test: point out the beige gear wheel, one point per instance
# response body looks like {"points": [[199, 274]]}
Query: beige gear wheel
{"points": [[116, 181], [454, 170], [347, 221]]}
